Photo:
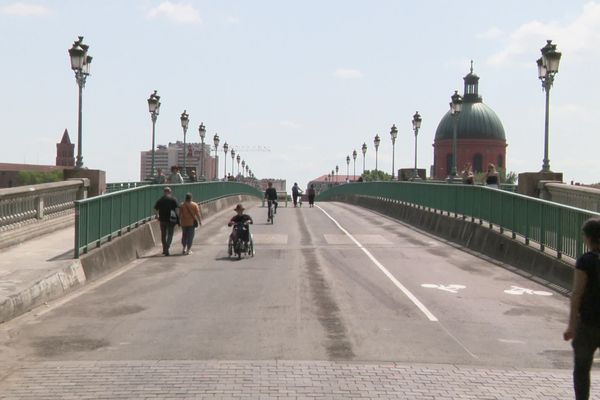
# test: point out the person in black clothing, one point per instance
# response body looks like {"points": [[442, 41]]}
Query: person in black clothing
{"points": [[296, 192], [240, 217], [166, 207], [491, 177], [584, 316], [271, 195], [311, 196]]}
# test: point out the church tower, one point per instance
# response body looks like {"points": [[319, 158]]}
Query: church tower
{"points": [[65, 152]]}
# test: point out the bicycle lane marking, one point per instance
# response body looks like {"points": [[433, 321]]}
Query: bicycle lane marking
{"points": [[383, 269]]}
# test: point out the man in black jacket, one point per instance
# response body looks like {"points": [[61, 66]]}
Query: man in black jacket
{"points": [[166, 208]]}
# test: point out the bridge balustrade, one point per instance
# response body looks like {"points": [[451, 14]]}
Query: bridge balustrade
{"points": [[99, 219], [551, 225]]}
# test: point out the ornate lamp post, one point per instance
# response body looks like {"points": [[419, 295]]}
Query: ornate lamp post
{"points": [[80, 64], [364, 153], [216, 141], [247, 171], [202, 132], [348, 168], [333, 177], [376, 142], [337, 173], [393, 135], [547, 68], [416, 122], [154, 108], [238, 159], [232, 163], [225, 150], [185, 120], [455, 108], [243, 167], [354, 154], [329, 179]]}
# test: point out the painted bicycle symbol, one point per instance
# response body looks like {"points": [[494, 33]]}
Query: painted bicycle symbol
{"points": [[519, 291], [453, 288]]}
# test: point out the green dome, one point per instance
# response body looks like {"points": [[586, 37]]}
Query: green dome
{"points": [[475, 121]]}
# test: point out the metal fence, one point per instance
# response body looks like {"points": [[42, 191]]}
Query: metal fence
{"points": [[117, 186], [551, 225], [99, 219]]}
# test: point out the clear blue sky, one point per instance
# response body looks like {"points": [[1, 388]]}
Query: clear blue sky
{"points": [[312, 80]]}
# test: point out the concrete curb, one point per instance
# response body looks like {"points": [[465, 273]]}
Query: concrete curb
{"points": [[512, 254], [68, 276], [72, 274]]}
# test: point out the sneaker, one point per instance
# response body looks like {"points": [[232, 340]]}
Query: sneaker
{"points": [[166, 253], [184, 252], [189, 252]]}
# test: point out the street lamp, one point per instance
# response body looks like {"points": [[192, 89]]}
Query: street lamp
{"points": [[394, 135], [376, 142], [154, 108], [216, 141], [364, 153], [247, 171], [416, 122], [333, 176], [348, 168], [185, 120], [354, 154], [225, 150], [455, 108], [337, 173], [202, 132], [243, 167], [80, 64], [238, 159], [232, 163], [547, 68]]}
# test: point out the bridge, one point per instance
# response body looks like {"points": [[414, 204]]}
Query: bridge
{"points": [[383, 290]]}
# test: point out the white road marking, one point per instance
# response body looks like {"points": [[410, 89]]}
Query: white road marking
{"points": [[387, 273], [519, 291], [511, 341], [453, 288], [364, 239]]}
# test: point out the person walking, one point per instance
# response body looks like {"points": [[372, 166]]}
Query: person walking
{"points": [[175, 176], [584, 315], [166, 208], [189, 220], [296, 192], [311, 196], [491, 177]]}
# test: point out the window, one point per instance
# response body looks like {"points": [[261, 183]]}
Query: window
{"points": [[477, 163]]}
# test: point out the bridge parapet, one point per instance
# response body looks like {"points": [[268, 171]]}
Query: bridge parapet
{"points": [[551, 225], [584, 197]]}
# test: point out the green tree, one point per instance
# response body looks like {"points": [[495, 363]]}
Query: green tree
{"points": [[37, 177], [372, 175]]}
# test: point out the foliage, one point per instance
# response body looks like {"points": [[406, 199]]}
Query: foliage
{"points": [[37, 177], [373, 175], [510, 178]]}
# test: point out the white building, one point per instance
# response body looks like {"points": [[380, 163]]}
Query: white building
{"points": [[197, 158]]}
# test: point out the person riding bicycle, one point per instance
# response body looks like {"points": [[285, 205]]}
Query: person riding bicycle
{"points": [[271, 196], [242, 218]]}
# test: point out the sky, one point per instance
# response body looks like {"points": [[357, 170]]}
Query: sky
{"points": [[310, 80]]}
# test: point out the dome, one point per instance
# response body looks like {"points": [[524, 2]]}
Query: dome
{"points": [[475, 121]]}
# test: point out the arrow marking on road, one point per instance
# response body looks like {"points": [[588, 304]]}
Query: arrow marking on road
{"points": [[453, 288]]}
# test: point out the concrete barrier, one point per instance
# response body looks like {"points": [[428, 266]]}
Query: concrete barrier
{"points": [[511, 253], [125, 249]]}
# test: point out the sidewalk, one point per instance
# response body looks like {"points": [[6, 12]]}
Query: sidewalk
{"points": [[280, 380]]}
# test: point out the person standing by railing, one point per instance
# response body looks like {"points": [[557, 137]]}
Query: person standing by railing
{"points": [[175, 176], [189, 220], [467, 175], [584, 316], [166, 208], [492, 179]]}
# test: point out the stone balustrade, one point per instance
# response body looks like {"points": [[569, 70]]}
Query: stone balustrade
{"points": [[584, 197], [25, 204]]}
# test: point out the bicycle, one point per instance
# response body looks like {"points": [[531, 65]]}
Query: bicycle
{"points": [[271, 206]]}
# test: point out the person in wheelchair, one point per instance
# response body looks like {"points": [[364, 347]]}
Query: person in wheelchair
{"points": [[242, 218]]}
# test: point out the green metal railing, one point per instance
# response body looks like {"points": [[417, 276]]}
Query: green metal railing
{"points": [[100, 219], [551, 225], [117, 186]]}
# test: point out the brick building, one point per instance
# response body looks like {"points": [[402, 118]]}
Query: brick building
{"points": [[480, 135], [65, 151]]}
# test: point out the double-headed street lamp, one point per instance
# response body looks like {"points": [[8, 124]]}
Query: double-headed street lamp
{"points": [[455, 108], [216, 141], [225, 150], [348, 168], [202, 132], [547, 68], [80, 64], [416, 123], [185, 120], [247, 171], [376, 142], [364, 153], [354, 154], [238, 159], [393, 135], [243, 167], [337, 172], [154, 108], [232, 163]]}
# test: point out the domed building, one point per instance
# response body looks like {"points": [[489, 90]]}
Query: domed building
{"points": [[480, 135]]}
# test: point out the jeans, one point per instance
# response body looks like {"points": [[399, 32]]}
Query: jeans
{"points": [[585, 343], [166, 235], [187, 236], [295, 198]]}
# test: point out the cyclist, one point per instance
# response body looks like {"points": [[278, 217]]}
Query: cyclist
{"points": [[271, 196], [245, 219]]}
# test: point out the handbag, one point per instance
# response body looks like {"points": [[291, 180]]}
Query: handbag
{"points": [[173, 217], [192, 214]]}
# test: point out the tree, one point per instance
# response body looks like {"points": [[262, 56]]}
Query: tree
{"points": [[37, 177], [372, 175]]}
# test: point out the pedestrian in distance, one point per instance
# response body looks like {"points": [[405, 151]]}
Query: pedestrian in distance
{"points": [[175, 176], [160, 179], [492, 179], [193, 177], [584, 315], [189, 220], [296, 192], [311, 196], [467, 175], [166, 208]]}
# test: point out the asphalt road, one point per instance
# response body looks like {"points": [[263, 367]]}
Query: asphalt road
{"points": [[366, 288]]}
